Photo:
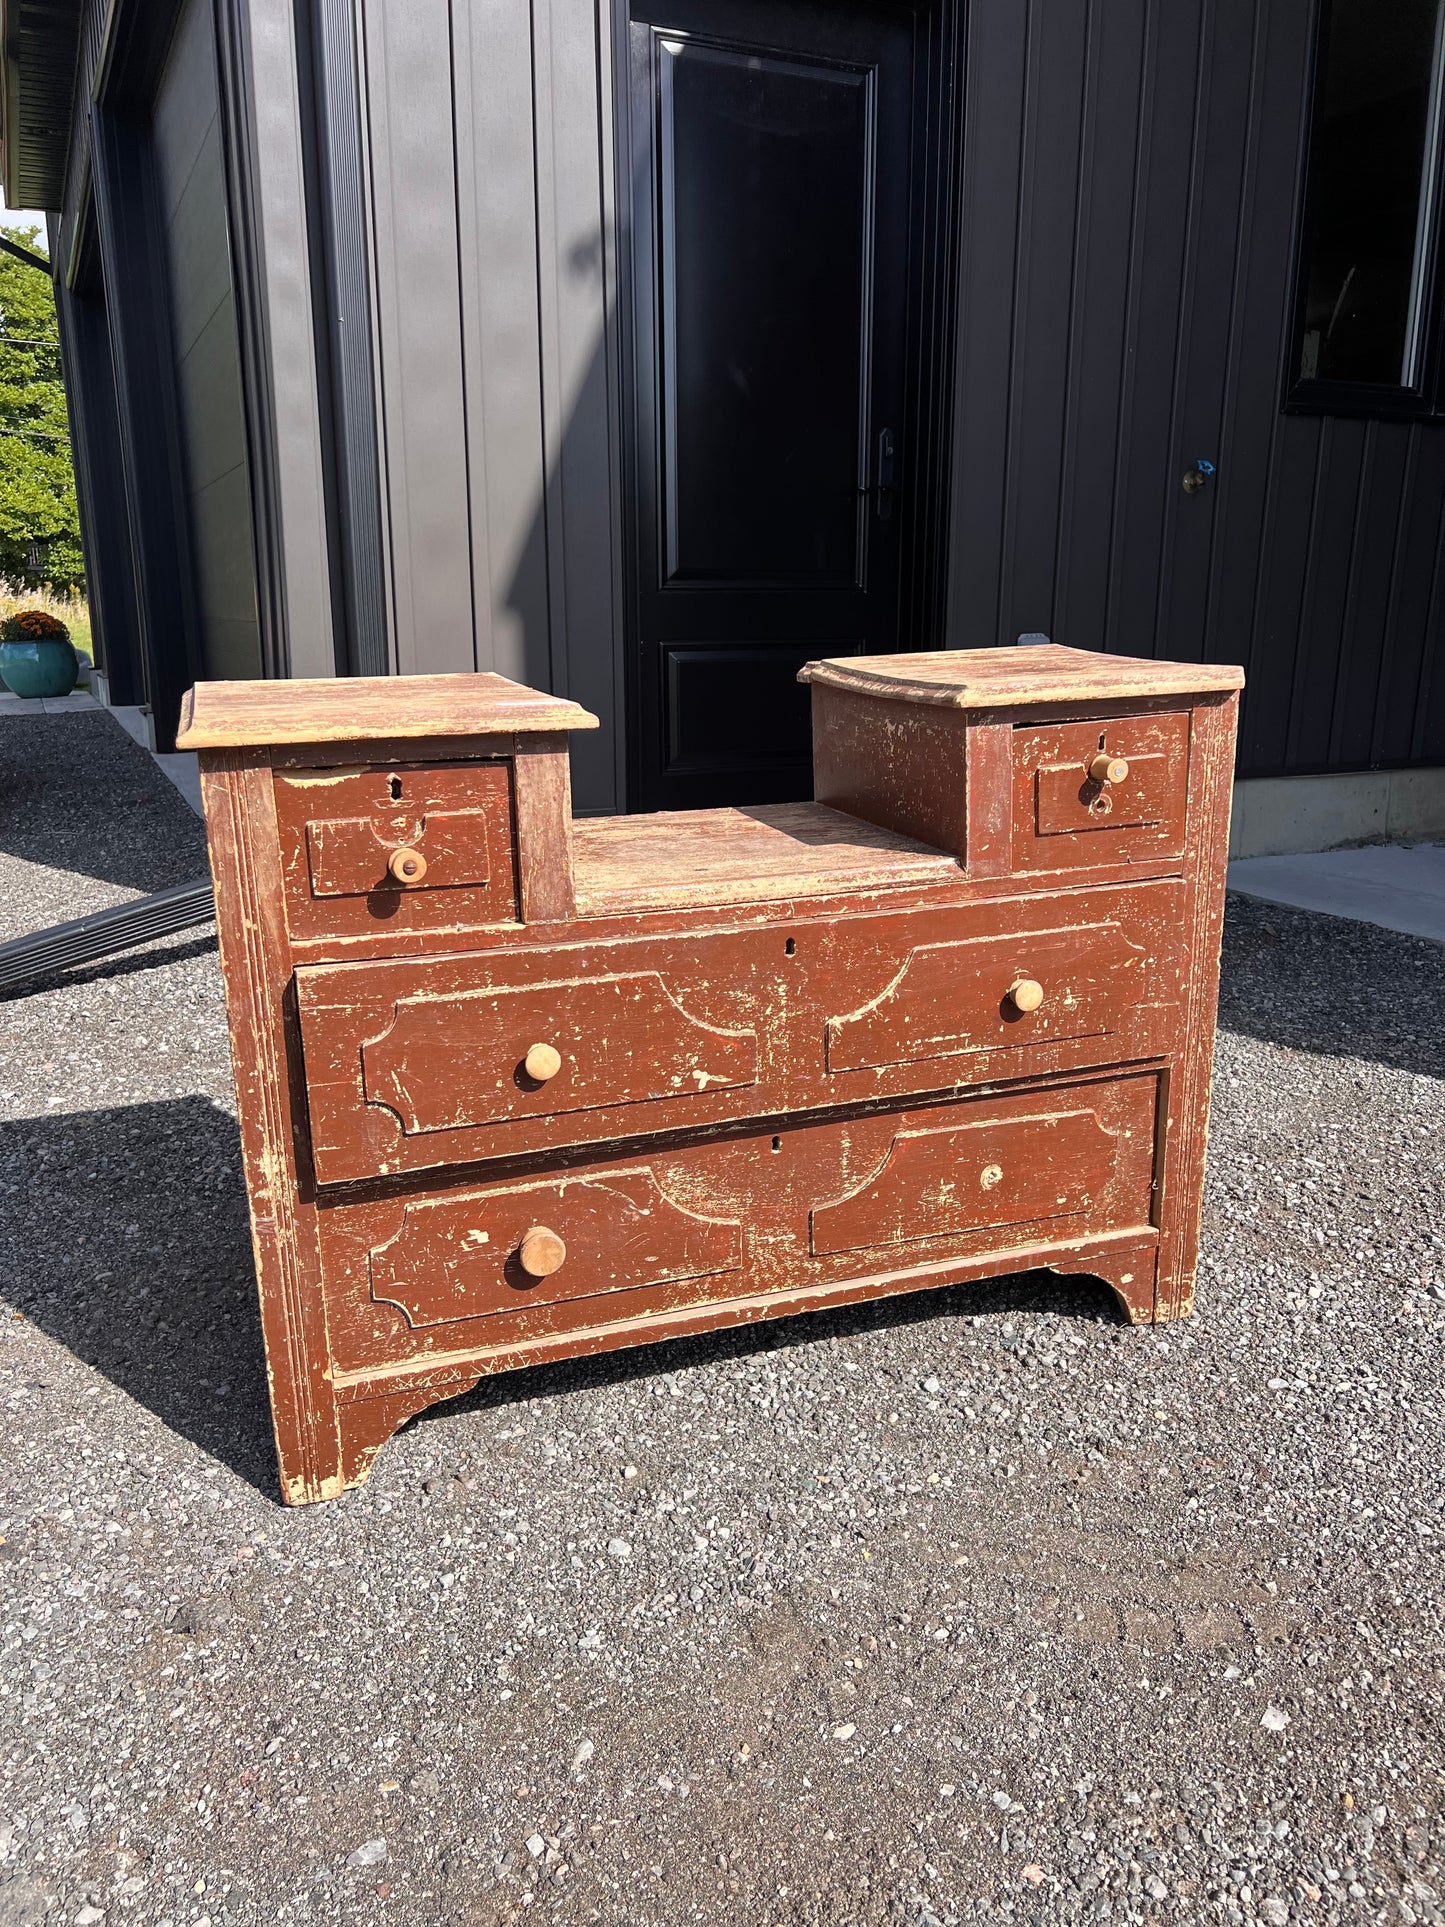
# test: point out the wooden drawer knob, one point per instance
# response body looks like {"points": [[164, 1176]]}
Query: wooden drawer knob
{"points": [[1026, 994], [542, 1062], [542, 1252], [1108, 769], [407, 866]]}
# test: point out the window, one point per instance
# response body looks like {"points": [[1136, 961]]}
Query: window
{"points": [[1367, 339]]}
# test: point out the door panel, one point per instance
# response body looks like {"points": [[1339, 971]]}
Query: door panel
{"points": [[770, 192], [953, 1179]]}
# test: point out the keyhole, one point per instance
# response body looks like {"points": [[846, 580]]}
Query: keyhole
{"points": [[777, 1144], [396, 789], [790, 948]]}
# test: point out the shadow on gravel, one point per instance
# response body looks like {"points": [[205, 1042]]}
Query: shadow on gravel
{"points": [[123, 1236], [77, 794], [1082, 1299], [1333, 987]]}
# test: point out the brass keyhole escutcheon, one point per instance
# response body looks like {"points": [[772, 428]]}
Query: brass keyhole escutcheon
{"points": [[990, 1175], [541, 1252], [406, 866], [1026, 995], [542, 1062]]}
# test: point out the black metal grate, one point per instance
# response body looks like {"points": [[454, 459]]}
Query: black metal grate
{"points": [[104, 933]]}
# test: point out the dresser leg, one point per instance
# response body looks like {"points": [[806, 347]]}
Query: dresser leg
{"points": [[366, 1424], [1130, 1272]]}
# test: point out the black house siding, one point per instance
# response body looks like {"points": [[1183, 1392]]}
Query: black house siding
{"points": [[1132, 180], [1129, 192], [191, 190], [487, 187]]}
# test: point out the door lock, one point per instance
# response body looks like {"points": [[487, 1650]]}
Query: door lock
{"points": [[882, 487]]}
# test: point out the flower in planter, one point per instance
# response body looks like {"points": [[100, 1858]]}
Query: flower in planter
{"points": [[37, 657], [33, 625]]}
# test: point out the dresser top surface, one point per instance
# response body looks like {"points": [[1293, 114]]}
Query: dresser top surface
{"points": [[694, 859], [340, 709], [1018, 677]]}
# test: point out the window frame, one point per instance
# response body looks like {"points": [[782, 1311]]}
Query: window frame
{"points": [[1376, 401]]}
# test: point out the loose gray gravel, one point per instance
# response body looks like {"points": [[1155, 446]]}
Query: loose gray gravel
{"points": [[972, 1606]]}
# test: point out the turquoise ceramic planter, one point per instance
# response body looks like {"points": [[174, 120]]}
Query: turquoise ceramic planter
{"points": [[45, 667]]}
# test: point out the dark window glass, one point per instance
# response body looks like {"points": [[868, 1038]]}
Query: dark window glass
{"points": [[1371, 192], [765, 189]]}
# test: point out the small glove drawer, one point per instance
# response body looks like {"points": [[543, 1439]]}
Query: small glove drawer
{"points": [[1097, 793], [402, 847]]}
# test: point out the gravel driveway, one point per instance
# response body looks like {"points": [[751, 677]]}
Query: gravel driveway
{"points": [[975, 1605]]}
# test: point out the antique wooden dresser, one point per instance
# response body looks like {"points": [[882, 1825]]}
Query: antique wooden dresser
{"points": [[514, 1088]]}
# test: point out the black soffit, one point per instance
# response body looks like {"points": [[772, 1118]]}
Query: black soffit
{"points": [[39, 42]]}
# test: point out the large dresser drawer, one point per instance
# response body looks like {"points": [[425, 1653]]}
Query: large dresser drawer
{"points": [[412, 1064], [905, 1193]]}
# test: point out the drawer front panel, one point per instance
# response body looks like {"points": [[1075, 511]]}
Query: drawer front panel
{"points": [[958, 999], [414, 1064], [977, 1176], [908, 1191], [452, 1063], [1065, 818], [468, 1257], [341, 830], [347, 856]]}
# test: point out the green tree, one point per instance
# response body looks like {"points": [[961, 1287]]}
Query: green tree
{"points": [[37, 480]]}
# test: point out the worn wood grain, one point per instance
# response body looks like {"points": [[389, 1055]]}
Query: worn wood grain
{"points": [[1046, 673], [694, 859], [245, 865], [345, 709]]}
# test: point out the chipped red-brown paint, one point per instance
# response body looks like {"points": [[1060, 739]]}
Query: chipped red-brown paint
{"points": [[793, 1072]]}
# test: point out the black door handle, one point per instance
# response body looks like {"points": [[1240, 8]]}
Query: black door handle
{"points": [[881, 488]]}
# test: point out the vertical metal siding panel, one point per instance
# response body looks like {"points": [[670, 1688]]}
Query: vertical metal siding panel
{"points": [[1252, 445], [418, 317], [1285, 544], [1207, 309], [1428, 742], [1108, 158], [497, 265], [1412, 634], [285, 416], [579, 386], [1366, 611], [992, 121], [1048, 204], [1343, 471], [1150, 460]]}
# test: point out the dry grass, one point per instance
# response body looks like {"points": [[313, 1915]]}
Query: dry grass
{"points": [[73, 611]]}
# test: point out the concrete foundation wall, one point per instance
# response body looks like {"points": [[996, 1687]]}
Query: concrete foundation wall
{"points": [[1290, 815]]}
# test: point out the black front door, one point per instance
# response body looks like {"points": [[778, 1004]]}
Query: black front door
{"points": [[770, 195]]}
